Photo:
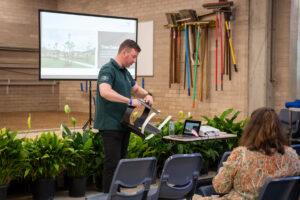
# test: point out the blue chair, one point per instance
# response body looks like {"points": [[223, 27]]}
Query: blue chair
{"points": [[208, 190], [179, 177], [130, 173], [297, 148], [286, 188], [223, 159]]}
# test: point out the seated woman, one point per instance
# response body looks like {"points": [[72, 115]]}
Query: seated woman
{"points": [[263, 153]]}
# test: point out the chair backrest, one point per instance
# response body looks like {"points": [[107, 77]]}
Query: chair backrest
{"points": [[285, 120], [208, 190], [179, 176], [132, 173], [286, 188], [223, 159], [297, 148]]}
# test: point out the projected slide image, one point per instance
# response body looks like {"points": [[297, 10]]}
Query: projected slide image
{"points": [[65, 51], [76, 46], [108, 44]]}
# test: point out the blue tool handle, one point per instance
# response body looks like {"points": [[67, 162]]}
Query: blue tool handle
{"points": [[187, 58]]}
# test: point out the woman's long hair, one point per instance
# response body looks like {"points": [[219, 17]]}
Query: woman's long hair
{"points": [[264, 132]]}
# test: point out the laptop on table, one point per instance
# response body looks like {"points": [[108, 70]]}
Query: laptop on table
{"points": [[191, 130]]}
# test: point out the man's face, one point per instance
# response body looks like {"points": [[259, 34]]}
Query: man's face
{"points": [[129, 57]]}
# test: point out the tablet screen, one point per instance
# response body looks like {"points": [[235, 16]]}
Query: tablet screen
{"points": [[191, 127]]}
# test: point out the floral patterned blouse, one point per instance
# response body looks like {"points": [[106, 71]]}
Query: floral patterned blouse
{"points": [[245, 172]]}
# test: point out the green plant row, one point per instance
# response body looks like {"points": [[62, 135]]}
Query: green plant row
{"points": [[211, 150], [81, 154]]}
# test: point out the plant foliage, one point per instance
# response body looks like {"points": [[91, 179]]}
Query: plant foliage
{"points": [[227, 124], [48, 156], [82, 152], [12, 157]]}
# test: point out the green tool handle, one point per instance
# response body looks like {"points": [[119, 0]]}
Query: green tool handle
{"points": [[196, 63]]}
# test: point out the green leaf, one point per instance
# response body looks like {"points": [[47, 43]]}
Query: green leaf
{"points": [[226, 113], [88, 144], [40, 169], [26, 173], [56, 166], [66, 129]]}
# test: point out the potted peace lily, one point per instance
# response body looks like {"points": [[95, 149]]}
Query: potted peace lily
{"points": [[12, 159], [81, 158], [80, 167], [48, 156]]}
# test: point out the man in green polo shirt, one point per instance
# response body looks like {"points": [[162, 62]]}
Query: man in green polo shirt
{"points": [[114, 87]]}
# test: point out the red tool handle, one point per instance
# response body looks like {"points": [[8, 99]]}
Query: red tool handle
{"points": [[221, 51], [216, 51]]}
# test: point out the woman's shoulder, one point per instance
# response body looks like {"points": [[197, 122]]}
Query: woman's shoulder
{"points": [[244, 151], [237, 152], [239, 149], [289, 151]]}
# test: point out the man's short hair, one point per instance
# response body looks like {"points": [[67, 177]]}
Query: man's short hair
{"points": [[128, 45]]}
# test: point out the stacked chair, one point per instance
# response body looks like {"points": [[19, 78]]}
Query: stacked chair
{"points": [[285, 120], [297, 148], [179, 177], [130, 173], [209, 190], [286, 188]]}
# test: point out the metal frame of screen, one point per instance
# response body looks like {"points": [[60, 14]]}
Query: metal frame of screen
{"points": [[59, 57]]}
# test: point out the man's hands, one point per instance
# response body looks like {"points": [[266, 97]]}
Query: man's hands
{"points": [[148, 99], [136, 103]]}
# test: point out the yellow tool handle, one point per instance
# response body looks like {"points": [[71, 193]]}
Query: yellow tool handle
{"points": [[231, 49]]}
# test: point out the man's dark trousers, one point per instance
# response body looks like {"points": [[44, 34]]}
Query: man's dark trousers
{"points": [[115, 144]]}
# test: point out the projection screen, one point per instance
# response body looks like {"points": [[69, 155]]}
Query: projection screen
{"points": [[75, 46]]}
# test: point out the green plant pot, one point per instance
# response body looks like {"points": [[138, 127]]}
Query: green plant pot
{"points": [[44, 189], [3, 192], [77, 187]]}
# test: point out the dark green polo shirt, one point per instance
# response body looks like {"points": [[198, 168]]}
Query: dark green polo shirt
{"points": [[109, 114]]}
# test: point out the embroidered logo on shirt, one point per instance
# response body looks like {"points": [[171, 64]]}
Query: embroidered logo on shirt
{"points": [[104, 78]]}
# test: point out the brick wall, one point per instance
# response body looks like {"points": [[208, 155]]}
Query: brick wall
{"points": [[19, 58], [171, 100], [19, 22], [281, 67]]}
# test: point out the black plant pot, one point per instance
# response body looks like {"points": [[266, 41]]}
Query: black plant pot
{"points": [[99, 183], [77, 187], [44, 189], [19, 187], [204, 169], [3, 192]]}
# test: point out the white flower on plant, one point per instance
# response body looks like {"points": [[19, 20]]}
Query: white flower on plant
{"points": [[73, 121], [189, 114], [61, 127], [180, 113], [67, 109], [29, 121]]}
